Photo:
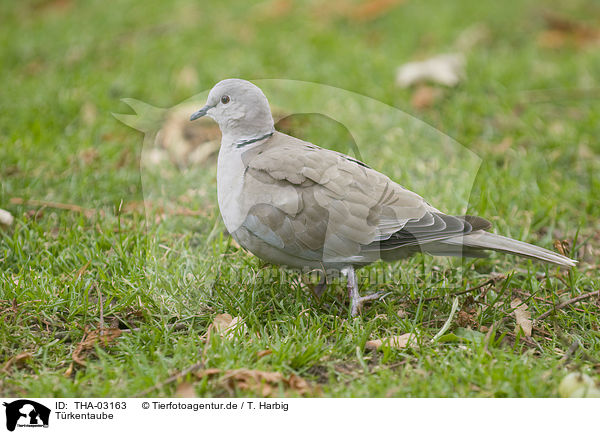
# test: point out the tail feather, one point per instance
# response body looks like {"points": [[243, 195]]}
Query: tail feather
{"points": [[488, 241]]}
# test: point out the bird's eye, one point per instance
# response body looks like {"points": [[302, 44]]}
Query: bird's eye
{"points": [[225, 99]]}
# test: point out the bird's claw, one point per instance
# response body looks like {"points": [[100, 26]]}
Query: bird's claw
{"points": [[356, 302]]}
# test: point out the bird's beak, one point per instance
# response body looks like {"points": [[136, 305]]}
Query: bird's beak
{"points": [[200, 112]]}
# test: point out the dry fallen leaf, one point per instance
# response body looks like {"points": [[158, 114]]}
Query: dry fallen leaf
{"points": [[503, 146], [225, 325], [551, 39], [263, 353], [372, 9], [563, 247], [264, 383], [18, 361], [561, 31], [467, 317], [102, 336], [299, 384], [6, 218], [69, 370], [275, 9], [365, 10], [221, 322], [522, 316], [398, 342], [57, 205], [88, 156], [424, 96], [401, 313], [445, 69], [34, 214], [185, 390], [82, 270], [55, 5]]}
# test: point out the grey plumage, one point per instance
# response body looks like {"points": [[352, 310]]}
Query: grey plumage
{"points": [[293, 203], [368, 212]]}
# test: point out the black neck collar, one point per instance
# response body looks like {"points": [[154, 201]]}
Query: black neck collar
{"points": [[244, 142]]}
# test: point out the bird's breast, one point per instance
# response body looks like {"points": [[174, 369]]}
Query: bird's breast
{"points": [[230, 183]]}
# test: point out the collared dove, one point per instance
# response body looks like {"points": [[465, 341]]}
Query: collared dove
{"points": [[292, 203]]}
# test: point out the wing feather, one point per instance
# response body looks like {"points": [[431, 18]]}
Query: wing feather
{"points": [[314, 202]]}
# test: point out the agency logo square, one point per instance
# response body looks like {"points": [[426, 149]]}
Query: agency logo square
{"points": [[25, 413]]}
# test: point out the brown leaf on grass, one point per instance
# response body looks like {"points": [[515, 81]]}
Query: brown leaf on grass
{"points": [[562, 31], [467, 318], [522, 317], [226, 325], [263, 353], [264, 383], [17, 361], [563, 247], [160, 209], [274, 9], [34, 214], [551, 39], [424, 96], [57, 205], [371, 9], [406, 340], [82, 270], [401, 312], [365, 10], [299, 384], [185, 390], [47, 5], [221, 322], [503, 146], [69, 370], [103, 337], [88, 156]]}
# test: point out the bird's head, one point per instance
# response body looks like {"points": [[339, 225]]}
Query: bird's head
{"points": [[240, 108]]}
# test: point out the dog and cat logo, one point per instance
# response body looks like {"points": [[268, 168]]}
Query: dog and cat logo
{"points": [[26, 413]]}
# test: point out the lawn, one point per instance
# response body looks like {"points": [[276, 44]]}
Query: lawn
{"points": [[114, 271]]}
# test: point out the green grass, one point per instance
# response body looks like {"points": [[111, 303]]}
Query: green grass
{"points": [[65, 66]]}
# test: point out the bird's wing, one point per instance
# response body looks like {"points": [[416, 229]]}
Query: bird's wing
{"points": [[316, 203]]}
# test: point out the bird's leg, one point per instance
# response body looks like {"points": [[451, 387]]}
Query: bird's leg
{"points": [[356, 301]]}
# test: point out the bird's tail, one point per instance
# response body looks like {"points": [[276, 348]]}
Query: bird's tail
{"points": [[482, 240]]}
